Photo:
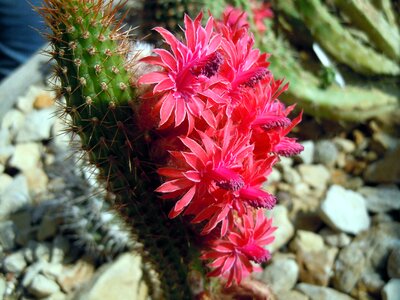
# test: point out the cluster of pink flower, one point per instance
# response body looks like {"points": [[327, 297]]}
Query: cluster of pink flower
{"points": [[217, 109]]}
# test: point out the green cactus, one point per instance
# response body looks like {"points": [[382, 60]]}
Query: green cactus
{"points": [[90, 51]]}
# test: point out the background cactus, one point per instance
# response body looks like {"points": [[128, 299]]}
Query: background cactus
{"points": [[90, 50]]}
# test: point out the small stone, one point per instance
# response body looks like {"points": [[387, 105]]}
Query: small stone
{"points": [[60, 139], [345, 145], [47, 228], [335, 239], [7, 235], [307, 241], [74, 276], [26, 156], [60, 248], [25, 102], [42, 251], [37, 180], [5, 153], [391, 290], [321, 293], [386, 170], [37, 126], [291, 176], [42, 286], [373, 282], [381, 199], [307, 155], [43, 100], [274, 176], [57, 296], [14, 196], [285, 229], [107, 283], [3, 286], [345, 210], [317, 176], [15, 262], [393, 264], [325, 153], [5, 137], [31, 272], [5, 181], [291, 295], [281, 274], [13, 121]]}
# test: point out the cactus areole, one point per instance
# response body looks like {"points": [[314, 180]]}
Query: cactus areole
{"points": [[186, 158]]}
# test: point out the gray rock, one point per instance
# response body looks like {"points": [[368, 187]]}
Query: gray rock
{"points": [[15, 262], [13, 120], [60, 248], [31, 272], [325, 153], [381, 199], [345, 210], [7, 235], [307, 155], [317, 176], [26, 156], [386, 170], [291, 295], [291, 176], [391, 290], [281, 274], [367, 252], [285, 230], [107, 283], [393, 264], [5, 137], [321, 293], [41, 286], [14, 196], [372, 282], [37, 126], [5, 181]]}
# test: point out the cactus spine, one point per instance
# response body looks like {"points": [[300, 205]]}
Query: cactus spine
{"points": [[90, 50]]}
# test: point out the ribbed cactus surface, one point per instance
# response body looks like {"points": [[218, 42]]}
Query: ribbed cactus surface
{"points": [[91, 50]]}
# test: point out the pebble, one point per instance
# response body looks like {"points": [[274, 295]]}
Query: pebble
{"points": [[5, 181], [325, 153], [381, 199], [372, 282], [75, 275], [5, 138], [317, 176], [393, 264], [291, 176], [321, 293], [41, 286], [391, 290], [60, 248], [7, 235], [291, 295], [3, 287], [37, 126], [25, 102], [345, 210], [15, 262], [345, 145], [37, 180], [14, 196], [386, 170], [107, 283], [43, 100], [26, 156], [13, 120], [335, 239], [285, 230], [307, 241], [5, 153], [281, 274], [307, 155]]}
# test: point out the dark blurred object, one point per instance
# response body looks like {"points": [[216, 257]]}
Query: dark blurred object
{"points": [[19, 37]]}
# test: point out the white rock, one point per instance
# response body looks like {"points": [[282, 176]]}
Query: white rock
{"points": [[26, 156], [335, 239], [317, 176], [291, 176], [25, 102], [37, 180], [307, 241], [321, 293], [5, 153], [347, 146], [5, 181], [345, 210], [14, 196], [307, 155], [281, 274], [391, 291], [31, 272], [37, 126], [41, 286], [13, 120], [5, 137], [7, 235], [15, 262], [3, 287], [285, 229], [119, 280], [60, 139]]}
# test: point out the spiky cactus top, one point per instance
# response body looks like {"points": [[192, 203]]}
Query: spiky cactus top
{"points": [[211, 125]]}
